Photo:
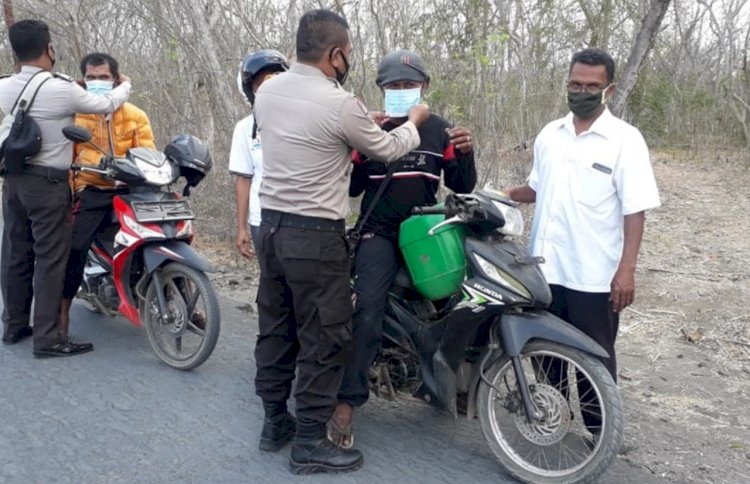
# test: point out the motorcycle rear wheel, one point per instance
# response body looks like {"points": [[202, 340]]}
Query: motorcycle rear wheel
{"points": [[188, 338], [582, 427]]}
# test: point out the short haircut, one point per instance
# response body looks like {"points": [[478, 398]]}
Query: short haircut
{"points": [[29, 39], [595, 57], [97, 59], [318, 31]]}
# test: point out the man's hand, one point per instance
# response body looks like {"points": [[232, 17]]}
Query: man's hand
{"points": [[623, 289], [461, 139], [244, 244], [379, 117], [419, 114], [124, 78]]}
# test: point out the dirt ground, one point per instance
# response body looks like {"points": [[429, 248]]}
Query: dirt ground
{"points": [[684, 345]]}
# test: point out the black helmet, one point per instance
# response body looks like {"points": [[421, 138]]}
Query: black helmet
{"points": [[192, 157], [257, 62]]}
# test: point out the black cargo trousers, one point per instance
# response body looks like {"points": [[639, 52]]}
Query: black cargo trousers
{"points": [[36, 242], [304, 312]]}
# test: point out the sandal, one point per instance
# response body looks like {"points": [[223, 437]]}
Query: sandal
{"points": [[341, 435]]}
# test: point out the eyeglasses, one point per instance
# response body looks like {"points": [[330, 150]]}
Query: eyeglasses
{"points": [[588, 88]]}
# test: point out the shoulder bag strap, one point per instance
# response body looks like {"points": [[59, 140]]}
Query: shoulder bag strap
{"points": [[383, 185]]}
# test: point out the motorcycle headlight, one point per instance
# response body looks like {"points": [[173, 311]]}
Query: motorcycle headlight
{"points": [[513, 219], [501, 277], [157, 175]]}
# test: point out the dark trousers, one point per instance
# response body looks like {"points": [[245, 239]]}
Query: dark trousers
{"points": [[591, 313], [91, 215], [304, 317], [36, 241], [375, 266]]}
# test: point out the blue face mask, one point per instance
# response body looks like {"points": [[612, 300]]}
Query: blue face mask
{"points": [[99, 87], [399, 101]]}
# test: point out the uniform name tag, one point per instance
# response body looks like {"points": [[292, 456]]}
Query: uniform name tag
{"points": [[602, 168]]}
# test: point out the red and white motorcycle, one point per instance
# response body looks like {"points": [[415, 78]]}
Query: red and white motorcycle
{"points": [[143, 266]]}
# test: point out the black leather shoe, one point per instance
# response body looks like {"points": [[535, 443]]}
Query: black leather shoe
{"points": [[322, 455], [66, 348], [13, 338], [277, 433]]}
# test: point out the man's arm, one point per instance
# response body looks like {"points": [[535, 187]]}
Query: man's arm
{"points": [[459, 167], [522, 193], [623, 284], [241, 166], [242, 186], [84, 102], [365, 136]]}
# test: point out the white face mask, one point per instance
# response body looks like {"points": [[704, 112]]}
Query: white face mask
{"points": [[398, 102], [99, 87]]}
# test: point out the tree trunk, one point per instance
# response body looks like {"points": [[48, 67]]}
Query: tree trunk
{"points": [[10, 19], [642, 46]]}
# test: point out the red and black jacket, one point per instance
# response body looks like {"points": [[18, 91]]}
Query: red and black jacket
{"points": [[416, 179]]}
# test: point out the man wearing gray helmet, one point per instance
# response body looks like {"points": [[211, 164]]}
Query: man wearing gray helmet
{"points": [[444, 150]]}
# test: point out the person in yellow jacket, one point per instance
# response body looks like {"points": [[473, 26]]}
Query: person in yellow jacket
{"points": [[128, 127]]}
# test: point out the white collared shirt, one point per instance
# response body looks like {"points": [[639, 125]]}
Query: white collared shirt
{"points": [[246, 159], [585, 184]]}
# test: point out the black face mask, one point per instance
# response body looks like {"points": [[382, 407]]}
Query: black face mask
{"points": [[341, 76], [585, 105]]}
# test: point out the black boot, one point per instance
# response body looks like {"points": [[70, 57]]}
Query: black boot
{"points": [[277, 432], [322, 455]]}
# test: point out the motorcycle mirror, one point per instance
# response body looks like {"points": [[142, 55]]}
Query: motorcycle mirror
{"points": [[77, 134]]}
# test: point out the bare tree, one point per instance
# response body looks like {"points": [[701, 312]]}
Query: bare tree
{"points": [[644, 41]]}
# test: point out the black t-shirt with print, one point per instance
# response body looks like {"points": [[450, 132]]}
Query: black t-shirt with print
{"points": [[416, 179]]}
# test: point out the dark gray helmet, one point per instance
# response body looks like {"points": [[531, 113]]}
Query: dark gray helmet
{"points": [[191, 156], [401, 65], [266, 59]]}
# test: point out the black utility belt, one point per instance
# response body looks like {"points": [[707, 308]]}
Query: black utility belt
{"points": [[283, 219], [37, 170]]}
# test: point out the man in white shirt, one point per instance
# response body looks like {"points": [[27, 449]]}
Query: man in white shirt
{"points": [[246, 157], [592, 182]]}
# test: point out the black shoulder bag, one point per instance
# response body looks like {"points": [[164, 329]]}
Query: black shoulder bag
{"points": [[24, 138]]}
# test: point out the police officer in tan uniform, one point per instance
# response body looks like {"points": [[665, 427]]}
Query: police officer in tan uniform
{"points": [[309, 125], [36, 201]]}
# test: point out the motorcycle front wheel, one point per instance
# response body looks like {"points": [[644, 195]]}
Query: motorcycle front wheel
{"points": [[581, 425], [186, 336]]}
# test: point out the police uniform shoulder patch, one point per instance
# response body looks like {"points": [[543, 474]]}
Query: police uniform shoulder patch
{"points": [[64, 77]]}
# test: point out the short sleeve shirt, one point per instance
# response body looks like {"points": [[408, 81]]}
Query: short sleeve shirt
{"points": [[585, 185], [246, 159]]}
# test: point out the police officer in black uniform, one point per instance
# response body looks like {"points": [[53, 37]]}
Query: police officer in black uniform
{"points": [[36, 200], [309, 125]]}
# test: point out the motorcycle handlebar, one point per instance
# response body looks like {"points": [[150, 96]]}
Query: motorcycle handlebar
{"points": [[428, 210]]}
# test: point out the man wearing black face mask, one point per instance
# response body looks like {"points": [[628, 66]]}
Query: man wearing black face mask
{"points": [[309, 126], [36, 199], [592, 183]]}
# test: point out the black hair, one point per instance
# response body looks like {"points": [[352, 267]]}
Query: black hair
{"points": [[595, 57], [318, 31], [29, 39], [97, 59]]}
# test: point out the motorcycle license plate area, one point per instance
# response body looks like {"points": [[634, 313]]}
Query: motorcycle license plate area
{"points": [[162, 211]]}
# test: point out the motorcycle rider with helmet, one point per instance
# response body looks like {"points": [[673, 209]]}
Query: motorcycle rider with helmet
{"points": [[444, 150], [246, 157]]}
